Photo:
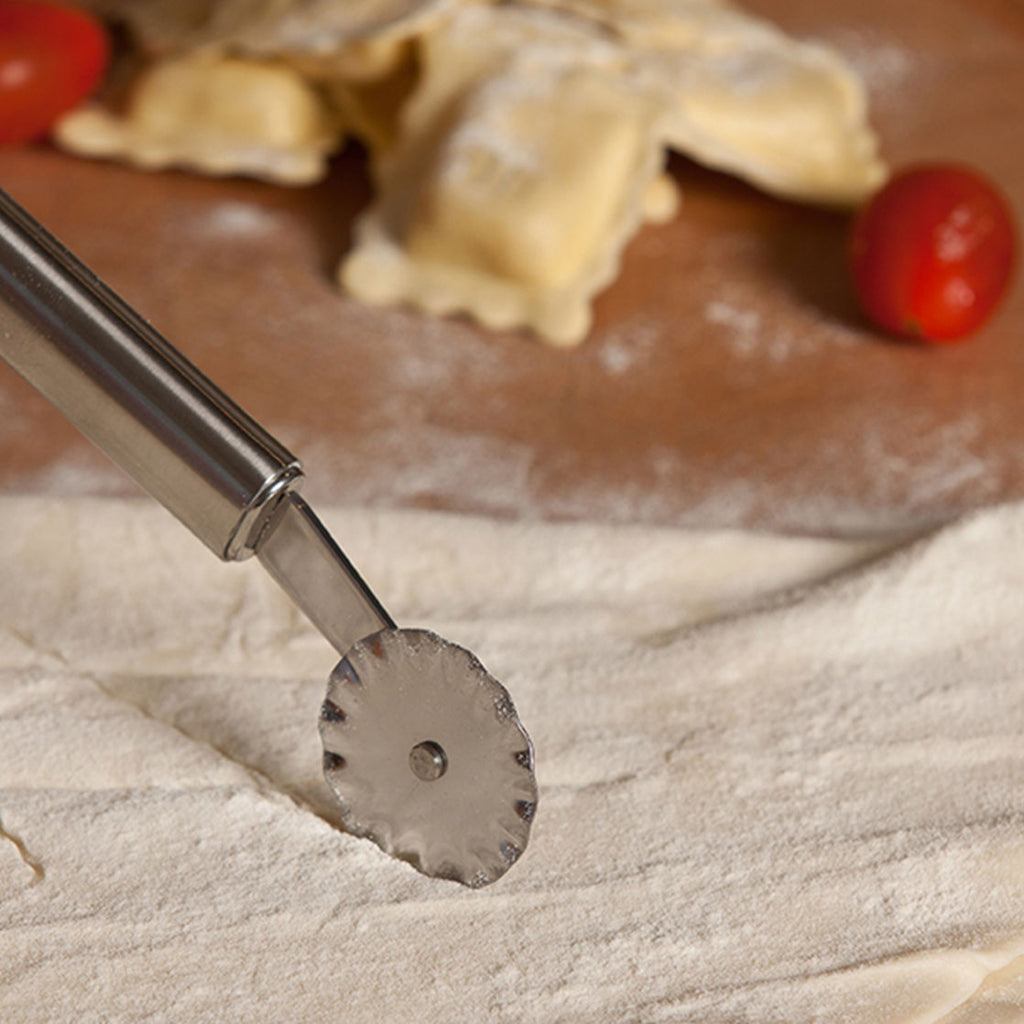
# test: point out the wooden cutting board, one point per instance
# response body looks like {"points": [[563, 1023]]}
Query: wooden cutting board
{"points": [[729, 379]]}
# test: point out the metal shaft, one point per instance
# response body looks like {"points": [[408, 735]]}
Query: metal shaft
{"points": [[299, 553], [133, 394]]}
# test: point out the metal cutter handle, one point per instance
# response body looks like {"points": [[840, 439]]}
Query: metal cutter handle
{"points": [[172, 430], [129, 391]]}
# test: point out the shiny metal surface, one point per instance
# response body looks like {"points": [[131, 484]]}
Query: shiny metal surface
{"points": [[131, 393], [313, 571]]}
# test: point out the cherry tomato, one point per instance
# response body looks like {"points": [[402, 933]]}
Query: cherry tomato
{"points": [[51, 57], [932, 251]]}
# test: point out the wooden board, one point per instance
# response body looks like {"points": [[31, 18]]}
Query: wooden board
{"points": [[728, 381]]}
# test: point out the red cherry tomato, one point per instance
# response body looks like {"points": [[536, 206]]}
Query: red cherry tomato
{"points": [[51, 57], [931, 253]]}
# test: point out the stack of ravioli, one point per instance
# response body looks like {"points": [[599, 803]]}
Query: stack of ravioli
{"points": [[515, 147]]}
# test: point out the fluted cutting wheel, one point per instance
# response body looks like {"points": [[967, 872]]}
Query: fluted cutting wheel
{"points": [[427, 757]]}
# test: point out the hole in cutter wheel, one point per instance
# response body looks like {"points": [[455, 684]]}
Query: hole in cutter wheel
{"points": [[428, 761]]}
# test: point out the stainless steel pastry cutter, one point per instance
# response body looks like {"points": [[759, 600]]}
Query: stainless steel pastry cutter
{"points": [[421, 746]]}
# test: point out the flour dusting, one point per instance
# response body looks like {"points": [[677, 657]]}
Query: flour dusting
{"points": [[237, 220], [779, 777]]}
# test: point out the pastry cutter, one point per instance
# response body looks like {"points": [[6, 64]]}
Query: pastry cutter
{"points": [[421, 746]]}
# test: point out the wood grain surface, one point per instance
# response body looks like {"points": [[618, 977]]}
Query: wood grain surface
{"points": [[728, 379]]}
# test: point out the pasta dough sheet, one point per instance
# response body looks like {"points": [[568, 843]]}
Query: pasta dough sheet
{"points": [[780, 778]]}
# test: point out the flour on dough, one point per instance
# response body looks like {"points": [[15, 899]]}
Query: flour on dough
{"points": [[519, 173], [741, 96], [272, 28]]}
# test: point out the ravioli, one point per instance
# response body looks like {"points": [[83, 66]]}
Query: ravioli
{"points": [[500, 200], [515, 147], [217, 115]]}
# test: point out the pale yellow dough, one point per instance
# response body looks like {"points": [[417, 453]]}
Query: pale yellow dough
{"points": [[741, 96], [520, 171], [216, 115]]}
